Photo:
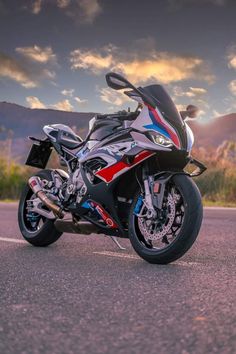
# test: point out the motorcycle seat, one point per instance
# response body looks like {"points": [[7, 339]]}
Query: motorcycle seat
{"points": [[65, 136]]}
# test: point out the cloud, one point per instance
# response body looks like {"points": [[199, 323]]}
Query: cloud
{"points": [[181, 107], [80, 101], [90, 9], [70, 93], [232, 57], [36, 7], [232, 87], [64, 105], [83, 11], [67, 92], [45, 73], [92, 59], [160, 66], [13, 70], [198, 91], [27, 74], [192, 92], [112, 97], [165, 68], [38, 54], [202, 104], [34, 102], [63, 3]]}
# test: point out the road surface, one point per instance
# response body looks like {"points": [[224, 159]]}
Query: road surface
{"points": [[83, 295]]}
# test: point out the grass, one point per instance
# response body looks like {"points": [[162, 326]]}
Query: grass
{"points": [[217, 184], [9, 200], [218, 203], [206, 203]]}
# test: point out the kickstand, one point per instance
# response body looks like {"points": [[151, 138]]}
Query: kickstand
{"points": [[114, 239]]}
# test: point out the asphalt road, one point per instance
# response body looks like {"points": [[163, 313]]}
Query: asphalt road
{"points": [[83, 295]]}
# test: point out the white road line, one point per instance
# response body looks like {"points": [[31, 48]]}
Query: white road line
{"points": [[115, 254], [129, 256], [219, 208], [106, 253], [14, 240]]}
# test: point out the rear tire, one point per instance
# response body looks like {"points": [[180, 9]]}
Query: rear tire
{"points": [[187, 234], [47, 234]]}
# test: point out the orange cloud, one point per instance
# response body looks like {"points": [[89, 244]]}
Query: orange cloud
{"points": [[80, 101], [232, 57], [112, 97], [36, 7], [91, 60], [64, 105], [11, 69], [232, 87], [192, 92], [34, 102], [161, 66], [38, 54]]}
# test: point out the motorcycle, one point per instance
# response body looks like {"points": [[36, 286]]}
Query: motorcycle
{"points": [[127, 179]]}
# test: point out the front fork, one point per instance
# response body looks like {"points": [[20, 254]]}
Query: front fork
{"points": [[148, 197], [154, 189], [148, 191]]}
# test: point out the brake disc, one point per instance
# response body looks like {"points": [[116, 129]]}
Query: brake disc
{"points": [[150, 229]]}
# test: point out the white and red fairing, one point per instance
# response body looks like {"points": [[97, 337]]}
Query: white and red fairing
{"points": [[149, 119]]}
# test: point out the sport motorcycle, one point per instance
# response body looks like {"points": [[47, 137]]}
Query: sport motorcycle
{"points": [[129, 178]]}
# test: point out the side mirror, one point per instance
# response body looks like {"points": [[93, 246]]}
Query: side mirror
{"points": [[191, 112], [117, 82]]}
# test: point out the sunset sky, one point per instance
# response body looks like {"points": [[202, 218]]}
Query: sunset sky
{"points": [[54, 53]]}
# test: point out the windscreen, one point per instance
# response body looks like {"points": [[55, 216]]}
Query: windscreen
{"points": [[164, 103]]}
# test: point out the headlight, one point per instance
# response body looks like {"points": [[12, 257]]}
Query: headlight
{"points": [[160, 139]]}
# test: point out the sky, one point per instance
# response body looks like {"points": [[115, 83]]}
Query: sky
{"points": [[55, 53]]}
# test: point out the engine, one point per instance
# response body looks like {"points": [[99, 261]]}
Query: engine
{"points": [[76, 186]]}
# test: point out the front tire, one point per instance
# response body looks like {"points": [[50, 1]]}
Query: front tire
{"points": [[41, 236], [188, 232]]}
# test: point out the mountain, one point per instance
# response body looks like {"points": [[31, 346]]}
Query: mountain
{"points": [[215, 131], [25, 121]]}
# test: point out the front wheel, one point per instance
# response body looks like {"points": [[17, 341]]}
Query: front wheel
{"points": [[173, 232]]}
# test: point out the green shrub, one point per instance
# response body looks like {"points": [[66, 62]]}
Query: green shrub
{"points": [[12, 178], [218, 184]]}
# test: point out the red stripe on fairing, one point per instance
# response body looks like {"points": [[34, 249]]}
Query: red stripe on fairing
{"points": [[108, 173], [174, 136], [105, 216]]}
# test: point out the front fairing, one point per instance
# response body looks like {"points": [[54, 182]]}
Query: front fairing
{"points": [[164, 118], [151, 119], [190, 137]]}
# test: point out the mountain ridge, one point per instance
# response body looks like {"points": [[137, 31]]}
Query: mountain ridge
{"points": [[24, 121]]}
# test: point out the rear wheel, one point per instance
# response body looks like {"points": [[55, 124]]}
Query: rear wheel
{"points": [[176, 227], [36, 229]]}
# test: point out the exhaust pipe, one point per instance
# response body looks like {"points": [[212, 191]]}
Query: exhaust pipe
{"points": [[81, 227], [35, 184]]}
